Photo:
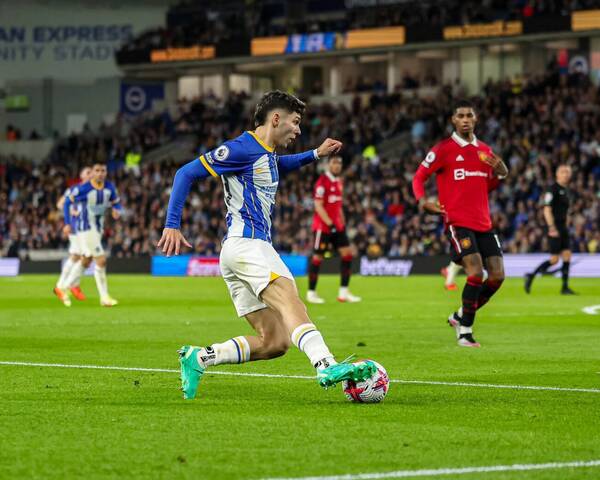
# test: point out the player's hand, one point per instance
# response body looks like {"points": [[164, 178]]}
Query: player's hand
{"points": [[66, 230], [329, 147], [493, 160], [553, 232], [171, 241], [116, 214], [434, 207]]}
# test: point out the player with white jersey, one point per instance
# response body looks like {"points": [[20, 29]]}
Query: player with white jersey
{"points": [[70, 231], [260, 284], [94, 198]]}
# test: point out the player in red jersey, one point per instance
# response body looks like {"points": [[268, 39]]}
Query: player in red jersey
{"points": [[466, 170], [329, 228]]}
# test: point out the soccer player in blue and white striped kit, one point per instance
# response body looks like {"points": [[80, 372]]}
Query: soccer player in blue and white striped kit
{"points": [[94, 198], [261, 286], [70, 230]]}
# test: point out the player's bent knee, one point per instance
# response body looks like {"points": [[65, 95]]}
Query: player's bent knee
{"points": [[475, 273], [496, 278], [101, 262], [317, 260]]}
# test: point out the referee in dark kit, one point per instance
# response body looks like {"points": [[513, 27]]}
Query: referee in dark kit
{"points": [[556, 207]]}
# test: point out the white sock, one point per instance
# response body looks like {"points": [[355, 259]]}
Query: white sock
{"points": [[77, 277], [343, 292], [452, 271], [234, 350], [74, 276], [462, 330], [310, 341], [101, 282], [64, 274]]}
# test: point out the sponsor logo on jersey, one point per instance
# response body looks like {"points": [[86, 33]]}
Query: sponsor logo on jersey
{"points": [[460, 158], [483, 156], [208, 158], [461, 174]]}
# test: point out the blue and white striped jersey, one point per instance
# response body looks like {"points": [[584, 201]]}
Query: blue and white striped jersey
{"points": [[70, 217], [92, 204], [249, 170]]}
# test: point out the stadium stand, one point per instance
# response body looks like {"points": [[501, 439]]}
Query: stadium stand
{"points": [[190, 23], [533, 123]]}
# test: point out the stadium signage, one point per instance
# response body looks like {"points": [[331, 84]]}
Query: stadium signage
{"points": [[385, 267], [328, 41], [140, 97], [481, 30], [62, 43], [203, 267], [197, 52], [585, 20], [9, 267], [69, 40]]}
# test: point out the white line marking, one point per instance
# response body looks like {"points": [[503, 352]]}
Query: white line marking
{"points": [[591, 310], [303, 377], [451, 471]]}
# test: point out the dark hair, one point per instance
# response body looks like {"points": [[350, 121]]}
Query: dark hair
{"points": [[102, 163], [276, 99], [462, 104]]}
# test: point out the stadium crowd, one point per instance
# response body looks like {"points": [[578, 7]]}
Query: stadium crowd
{"points": [[534, 124], [193, 23]]}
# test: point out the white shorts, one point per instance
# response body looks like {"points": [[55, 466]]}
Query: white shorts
{"points": [[90, 243], [248, 265], [74, 247]]}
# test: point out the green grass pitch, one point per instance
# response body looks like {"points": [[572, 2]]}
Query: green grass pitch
{"points": [[76, 423]]}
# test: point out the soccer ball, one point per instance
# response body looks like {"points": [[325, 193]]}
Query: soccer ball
{"points": [[371, 390]]}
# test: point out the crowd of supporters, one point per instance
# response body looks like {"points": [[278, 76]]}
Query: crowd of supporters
{"points": [[534, 125], [195, 23]]}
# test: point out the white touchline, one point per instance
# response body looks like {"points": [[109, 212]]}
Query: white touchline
{"points": [[451, 471], [301, 377], [591, 310]]}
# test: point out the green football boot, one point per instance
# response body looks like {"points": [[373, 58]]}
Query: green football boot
{"points": [[357, 372], [191, 371]]}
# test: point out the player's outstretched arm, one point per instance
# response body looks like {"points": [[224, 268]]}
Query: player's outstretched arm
{"points": [[289, 163], [172, 238]]}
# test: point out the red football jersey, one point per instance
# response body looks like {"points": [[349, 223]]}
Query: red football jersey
{"points": [[463, 181], [330, 190]]}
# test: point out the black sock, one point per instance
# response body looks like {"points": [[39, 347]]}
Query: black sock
{"points": [[565, 274], [487, 290], [346, 266], [470, 295], [542, 267], [313, 274]]}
